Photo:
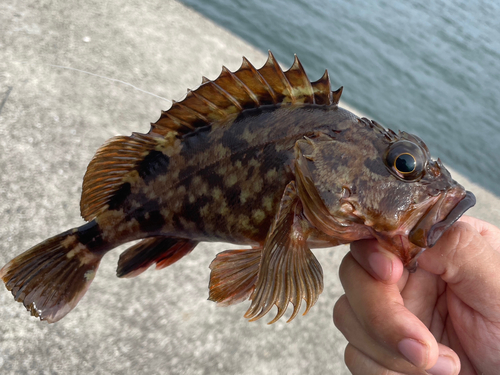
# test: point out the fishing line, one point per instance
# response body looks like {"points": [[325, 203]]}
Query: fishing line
{"points": [[110, 79]]}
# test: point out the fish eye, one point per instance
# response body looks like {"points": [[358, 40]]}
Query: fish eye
{"points": [[405, 163], [406, 160]]}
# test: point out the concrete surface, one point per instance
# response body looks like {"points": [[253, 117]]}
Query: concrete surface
{"points": [[52, 120]]}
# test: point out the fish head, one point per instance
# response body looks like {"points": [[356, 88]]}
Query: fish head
{"points": [[370, 182]]}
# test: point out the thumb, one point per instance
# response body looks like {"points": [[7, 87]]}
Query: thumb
{"points": [[467, 259]]}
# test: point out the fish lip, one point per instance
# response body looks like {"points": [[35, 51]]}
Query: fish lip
{"points": [[431, 225], [438, 229]]}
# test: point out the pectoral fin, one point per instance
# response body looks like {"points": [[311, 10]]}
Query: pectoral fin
{"points": [[289, 271]]}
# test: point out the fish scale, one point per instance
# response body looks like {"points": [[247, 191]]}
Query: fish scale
{"points": [[259, 157]]}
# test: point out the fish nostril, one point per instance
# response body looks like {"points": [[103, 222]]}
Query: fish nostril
{"points": [[346, 192]]}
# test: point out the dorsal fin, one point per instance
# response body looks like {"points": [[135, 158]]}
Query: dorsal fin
{"points": [[233, 92], [214, 101], [111, 163], [322, 93]]}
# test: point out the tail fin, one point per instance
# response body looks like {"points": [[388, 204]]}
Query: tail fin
{"points": [[52, 277]]}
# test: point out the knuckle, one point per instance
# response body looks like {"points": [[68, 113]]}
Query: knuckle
{"points": [[346, 266], [375, 322], [340, 312]]}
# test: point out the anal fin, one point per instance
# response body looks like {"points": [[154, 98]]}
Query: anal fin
{"points": [[163, 251], [233, 276], [289, 272]]}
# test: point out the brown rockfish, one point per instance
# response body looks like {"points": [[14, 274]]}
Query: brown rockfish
{"points": [[263, 158]]}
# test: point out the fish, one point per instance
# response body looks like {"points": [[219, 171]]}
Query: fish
{"points": [[263, 158]]}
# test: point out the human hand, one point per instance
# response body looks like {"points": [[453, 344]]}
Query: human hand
{"points": [[445, 317]]}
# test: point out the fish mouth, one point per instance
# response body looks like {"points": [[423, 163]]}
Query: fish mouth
{"points": [[450, 206]]}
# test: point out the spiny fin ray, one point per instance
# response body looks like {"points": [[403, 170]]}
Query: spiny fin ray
{"points": [[232, 92], [321, 88], [300, 86], [289, 272]]}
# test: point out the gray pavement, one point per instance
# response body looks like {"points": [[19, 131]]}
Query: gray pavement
{"points": [[52, 120]]}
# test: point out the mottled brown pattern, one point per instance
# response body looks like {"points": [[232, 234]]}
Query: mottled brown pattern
{"points": [[256, 157]]}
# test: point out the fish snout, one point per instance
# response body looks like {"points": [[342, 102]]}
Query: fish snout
{"points": [[450, 206]]}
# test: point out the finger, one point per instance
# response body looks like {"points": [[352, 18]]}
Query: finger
{"points": [[478, 338], [469, 264], [425, 296], [448, 362], [489, 232], [453, 341], [345, 320], [359, 363], [380, 263], [380, 310]]}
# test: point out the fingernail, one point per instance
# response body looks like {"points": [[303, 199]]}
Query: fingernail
{"points": [[444, 366], [381, 265], [414, 351]]}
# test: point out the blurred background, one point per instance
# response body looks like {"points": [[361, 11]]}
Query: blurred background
{"points": [[69, 78], [428, 67]]}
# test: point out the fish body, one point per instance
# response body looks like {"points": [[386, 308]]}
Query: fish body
{"points": [[256, 157], [223, 184]]}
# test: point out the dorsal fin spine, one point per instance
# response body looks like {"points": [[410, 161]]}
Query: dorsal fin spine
{"points": [[210, 104], [279, 72], [336, 95], [224, 93], [261, 79], [300, 83], [247, 87], [322, 93], [196, 113], [242, 85], [179, 121]]}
